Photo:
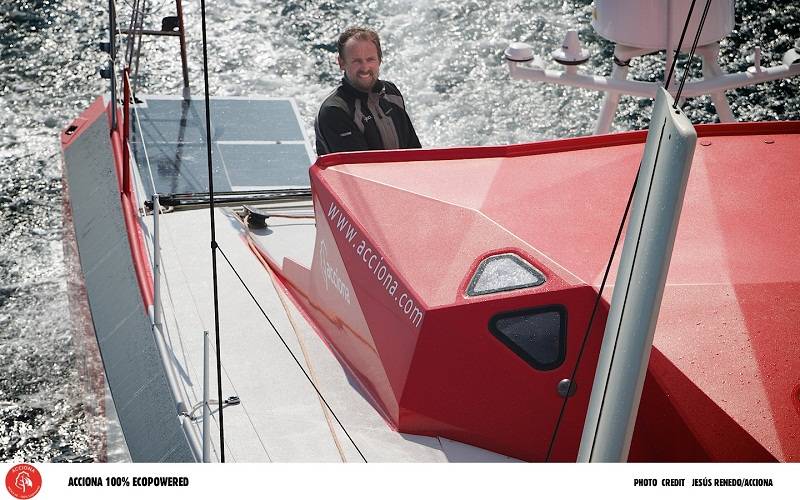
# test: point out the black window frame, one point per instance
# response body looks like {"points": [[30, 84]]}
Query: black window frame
{"points": [[562, 336]]}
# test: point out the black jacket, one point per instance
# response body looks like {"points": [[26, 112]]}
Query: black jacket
{"points": [[351, 120]]}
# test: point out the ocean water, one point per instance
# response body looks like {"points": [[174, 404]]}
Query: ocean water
{"points": [[444, 55]]}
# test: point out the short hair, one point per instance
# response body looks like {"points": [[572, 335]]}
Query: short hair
{"points": [[359, 34]]}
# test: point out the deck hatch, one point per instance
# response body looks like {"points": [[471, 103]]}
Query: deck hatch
{"points": [[538, 336], [503, 272]]}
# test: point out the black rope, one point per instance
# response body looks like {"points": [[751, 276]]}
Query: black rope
{"points": [[213, 234], [680, 44], [291, 353], [591, 318], [691, 54], [627, 289]]}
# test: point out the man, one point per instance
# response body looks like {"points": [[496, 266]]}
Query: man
{"points": [[363, 113]]}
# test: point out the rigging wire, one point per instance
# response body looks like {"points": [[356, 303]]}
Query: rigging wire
{"points": [[214, 245], [691, 54], [591, 318], [622, 223], [680, 44], [129, 38], [139, 46], [308, 377], [141, 135], [132, 48]]}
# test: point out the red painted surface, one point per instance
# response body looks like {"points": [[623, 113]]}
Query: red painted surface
{"points": [[141, 260], [724, 374], [548, 146], [445, 375]]}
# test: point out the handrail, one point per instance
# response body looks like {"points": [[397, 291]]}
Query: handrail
{"points": [[206, 408], [182, 406]]}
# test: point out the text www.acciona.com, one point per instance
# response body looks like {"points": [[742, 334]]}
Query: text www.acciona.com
{"points": [[376, 265]]}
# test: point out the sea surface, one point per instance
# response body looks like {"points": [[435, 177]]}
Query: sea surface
{"points": [[446, 57]]}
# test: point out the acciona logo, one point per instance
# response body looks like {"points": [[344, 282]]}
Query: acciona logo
{"points": [[23, 481]]}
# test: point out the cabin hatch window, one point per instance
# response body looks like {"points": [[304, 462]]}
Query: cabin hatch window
{"points": [[538, 336], [503, 272]]}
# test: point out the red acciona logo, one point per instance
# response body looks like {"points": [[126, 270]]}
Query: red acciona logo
{"points": [[23, 481]]}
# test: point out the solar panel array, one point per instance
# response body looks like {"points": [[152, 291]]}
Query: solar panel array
{"points": [[257, 143]]}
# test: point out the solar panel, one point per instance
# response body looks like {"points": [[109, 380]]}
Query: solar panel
{"points": [[257, 143]]}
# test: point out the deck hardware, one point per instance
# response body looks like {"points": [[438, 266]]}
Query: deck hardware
{"points": [[255, 218], [619, 22], [519, 52], [756, 60], [567, 385], [170, 23], [571, 53], [105, 73], [792, 56]]}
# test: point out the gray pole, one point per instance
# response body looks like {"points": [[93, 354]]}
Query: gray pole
{"points": [[639, 287], [206, 408], [156, 262]]}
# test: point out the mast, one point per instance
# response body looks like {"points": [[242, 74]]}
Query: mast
{"points": [[639, 286]]}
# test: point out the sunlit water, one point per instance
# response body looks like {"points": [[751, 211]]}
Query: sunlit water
{"points": [[444, 56]]}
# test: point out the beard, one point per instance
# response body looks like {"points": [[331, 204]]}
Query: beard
{"points": [[364, 81]]}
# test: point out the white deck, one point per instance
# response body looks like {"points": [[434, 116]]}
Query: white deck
{"points": [[280, 419]]}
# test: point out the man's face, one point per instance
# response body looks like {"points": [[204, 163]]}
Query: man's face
{"points": [[360, 64]]}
